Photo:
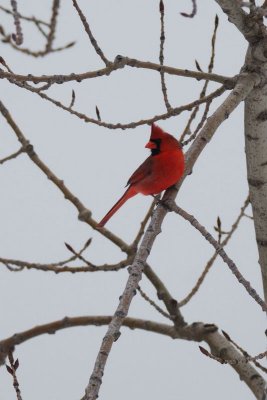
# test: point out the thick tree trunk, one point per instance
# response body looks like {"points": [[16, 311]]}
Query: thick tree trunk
{"points": [[256, 155]]}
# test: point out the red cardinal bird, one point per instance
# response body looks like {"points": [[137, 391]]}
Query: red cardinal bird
{"points": [[162, 169]]}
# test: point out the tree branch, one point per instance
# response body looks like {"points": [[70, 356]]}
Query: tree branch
{"points": [[84, 213], [120, 62], [243, 87], [195, 332], [219, 249], [251, 29], [213, 258], [89, 33]]}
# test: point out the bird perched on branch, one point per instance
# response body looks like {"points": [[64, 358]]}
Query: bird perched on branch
{"points": [[162, 169]]}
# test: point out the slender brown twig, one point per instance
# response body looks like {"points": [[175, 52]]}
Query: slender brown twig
{"points": [[143, 225], [29, 19], [52, 25], [7, 39], [161, 55], [213, 258], [57, 268], [243, 360], [174, 111], [12, 370], [153, 304], [193, 12], [219, 249], [202, 93], [12, 156], [121, 62], [84, 214], [245, 353], [90, 34], [18, 36]]}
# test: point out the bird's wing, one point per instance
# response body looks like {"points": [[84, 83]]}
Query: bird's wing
{"points": [[142, 171]]}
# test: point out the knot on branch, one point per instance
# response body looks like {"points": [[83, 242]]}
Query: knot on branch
{"points": [[120, 61], [230, 83], [198, 331], [84, 215], [29, 149]]}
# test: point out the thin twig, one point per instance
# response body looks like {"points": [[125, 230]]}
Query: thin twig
{"points": [[84, 213], [193, 12], [161, 55], [143, 225], [12, 370], [153, 304], [164, 295], [18, 36], [173, 112], [213, 258], [73, 96], [53, 24], [57, 268], [245, 353], [90, 34], [121, 62], [202, 93], [12, 156], [244, 360], [219, 249], [79, 256], [29, 19], [6, 39]]}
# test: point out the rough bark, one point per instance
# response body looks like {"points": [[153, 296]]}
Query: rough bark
{"points": [[256, 155], [222, 348]]}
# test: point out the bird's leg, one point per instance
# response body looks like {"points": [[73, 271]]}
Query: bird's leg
{"points": [[158, 199]]}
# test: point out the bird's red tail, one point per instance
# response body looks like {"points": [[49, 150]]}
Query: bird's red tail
{"points": [[130, 192]]}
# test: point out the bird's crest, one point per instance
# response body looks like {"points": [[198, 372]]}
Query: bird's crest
{"points": [[156, 132]]}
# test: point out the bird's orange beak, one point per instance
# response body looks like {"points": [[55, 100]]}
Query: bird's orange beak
{"points": [[151, 145]]}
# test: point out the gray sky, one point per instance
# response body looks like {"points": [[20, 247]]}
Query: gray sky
{"points": [[95, 164]]}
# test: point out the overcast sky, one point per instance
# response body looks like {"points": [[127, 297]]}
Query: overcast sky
{"points": [[95, 164]]}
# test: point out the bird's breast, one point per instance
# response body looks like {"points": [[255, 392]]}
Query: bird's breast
{"points": [[166, 169]]}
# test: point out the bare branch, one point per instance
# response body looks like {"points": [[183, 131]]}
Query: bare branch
{"points": [[143, 225], [29, 19], [174, 111], [84, 213], [133, 323], [193, 12], [79, 256], [60, 267], [213, 258], [241, 90], [153, 304], [252, 32], [121, 62], [245, 353], [11, 369], [161, 55], [202, 93], [12, 156], [163, 294], [193, 221], [53, 24], [7, 39], [18, 36], [89, 33], [194, 332]]}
